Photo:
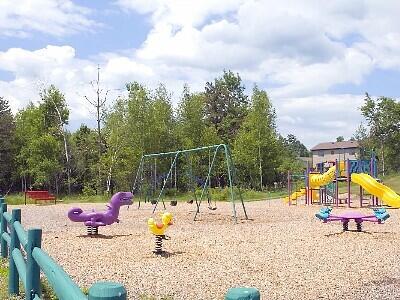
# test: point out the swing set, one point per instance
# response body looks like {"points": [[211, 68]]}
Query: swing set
{"points": [[150, 186]]}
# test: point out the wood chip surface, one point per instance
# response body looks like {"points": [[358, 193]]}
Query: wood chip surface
{"points": [[283, 251]]}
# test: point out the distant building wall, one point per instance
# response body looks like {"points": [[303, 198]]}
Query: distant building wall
{"points": [[319, 156]]}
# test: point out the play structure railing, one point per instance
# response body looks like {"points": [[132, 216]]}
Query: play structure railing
{"points": [[28, 270]]}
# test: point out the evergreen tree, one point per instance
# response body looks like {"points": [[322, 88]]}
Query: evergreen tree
{"points": [[295, 146], [226, 105], [84, 158], [7, 146]]}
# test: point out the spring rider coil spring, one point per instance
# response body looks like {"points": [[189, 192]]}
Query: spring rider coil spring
{"points": [[92, 230], [346, 226], [159, 244]]}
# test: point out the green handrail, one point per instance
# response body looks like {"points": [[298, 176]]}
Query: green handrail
{"points": [[7, 216], [63, 285], [6, 238], [20, 264], [22, 236]]}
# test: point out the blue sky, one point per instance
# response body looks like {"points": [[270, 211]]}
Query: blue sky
{"points": [[315, 61]]}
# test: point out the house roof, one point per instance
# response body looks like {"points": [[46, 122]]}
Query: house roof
{"points": [[336, 145]]}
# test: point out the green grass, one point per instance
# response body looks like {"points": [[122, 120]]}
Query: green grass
{"points": [[3, 278], [392, 181], [216, 195]]}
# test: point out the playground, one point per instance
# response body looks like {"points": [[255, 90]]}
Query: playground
{"points": [[282, 250]]}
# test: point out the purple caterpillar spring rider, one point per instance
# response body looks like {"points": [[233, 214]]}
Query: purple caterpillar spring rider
{"points": [[94, 219], [380, 216]]}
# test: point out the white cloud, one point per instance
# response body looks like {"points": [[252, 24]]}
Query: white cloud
{"points": [[181, 12], [59, 65], [319, 118], [56, 17], [297, 50]]}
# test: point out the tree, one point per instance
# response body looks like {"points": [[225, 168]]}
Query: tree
{"points": [[118, 157], [99, 104], [295, 146], [226, 105], [38, 150], [43, 160], [340, 138], [162, 125], [84, 158], [192, 129], [56, 114], [29, 126], [256, 147], [7, 146], [383, 118]]}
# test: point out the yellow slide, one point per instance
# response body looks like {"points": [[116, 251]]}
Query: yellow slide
{"points": [[296, 195], [316, 180], [368, 183], [300, 193]]}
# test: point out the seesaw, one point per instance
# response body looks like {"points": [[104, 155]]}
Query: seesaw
{"points": [[380, 215]]}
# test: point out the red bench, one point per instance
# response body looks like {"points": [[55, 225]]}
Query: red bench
{"points": [[40, 196]]}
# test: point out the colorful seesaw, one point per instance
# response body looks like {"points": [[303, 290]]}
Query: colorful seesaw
{"points": [[380, 215]]}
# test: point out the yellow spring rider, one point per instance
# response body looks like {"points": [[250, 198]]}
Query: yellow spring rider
{"points": [[158, 229]]}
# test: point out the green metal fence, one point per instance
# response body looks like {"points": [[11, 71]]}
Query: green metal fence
{"points": [[25, 265]]}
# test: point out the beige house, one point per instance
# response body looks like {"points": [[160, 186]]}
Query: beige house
{"points": [[329, 152]]}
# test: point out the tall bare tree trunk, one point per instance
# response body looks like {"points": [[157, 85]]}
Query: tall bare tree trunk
{"points": [[99, 105], [65, 148], [110, 170]]}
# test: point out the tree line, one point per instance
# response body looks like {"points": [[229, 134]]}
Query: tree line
{"points": [[381, 133], [38, 151]]}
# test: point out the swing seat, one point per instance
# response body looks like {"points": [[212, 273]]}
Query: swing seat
{"points": [[212, 208], [190, 201], [153, 202], [174, 203]]}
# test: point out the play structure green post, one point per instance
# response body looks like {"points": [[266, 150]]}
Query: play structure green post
{"points": [[3, 230], [13, 277], [242, 293], [107, 291], [33, 269]]}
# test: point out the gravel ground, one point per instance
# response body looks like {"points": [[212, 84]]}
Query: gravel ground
{"points": [[283, 251]]}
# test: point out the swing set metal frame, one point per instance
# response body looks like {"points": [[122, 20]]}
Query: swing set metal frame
{"points": [[230, 170]]}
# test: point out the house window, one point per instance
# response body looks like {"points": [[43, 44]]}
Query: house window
{"points": [[332, 152], [320, 153]]}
